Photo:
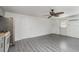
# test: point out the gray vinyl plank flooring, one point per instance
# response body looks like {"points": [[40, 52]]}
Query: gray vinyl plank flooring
{"points": [[47, 43]]}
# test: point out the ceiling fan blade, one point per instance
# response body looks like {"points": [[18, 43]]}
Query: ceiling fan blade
{"points": [[49, 16], [59, 13]]}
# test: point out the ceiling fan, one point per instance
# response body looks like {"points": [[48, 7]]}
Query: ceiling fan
{"points": [[52, 13]]}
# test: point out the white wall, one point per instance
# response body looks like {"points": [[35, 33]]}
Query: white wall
{"points": [[29, 26], [55, 26], [73, 29]]}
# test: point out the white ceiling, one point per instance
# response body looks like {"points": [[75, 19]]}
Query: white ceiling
{"points": [[41, 10]]}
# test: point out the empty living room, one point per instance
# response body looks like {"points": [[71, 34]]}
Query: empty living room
{"points": [[39, 28]]}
